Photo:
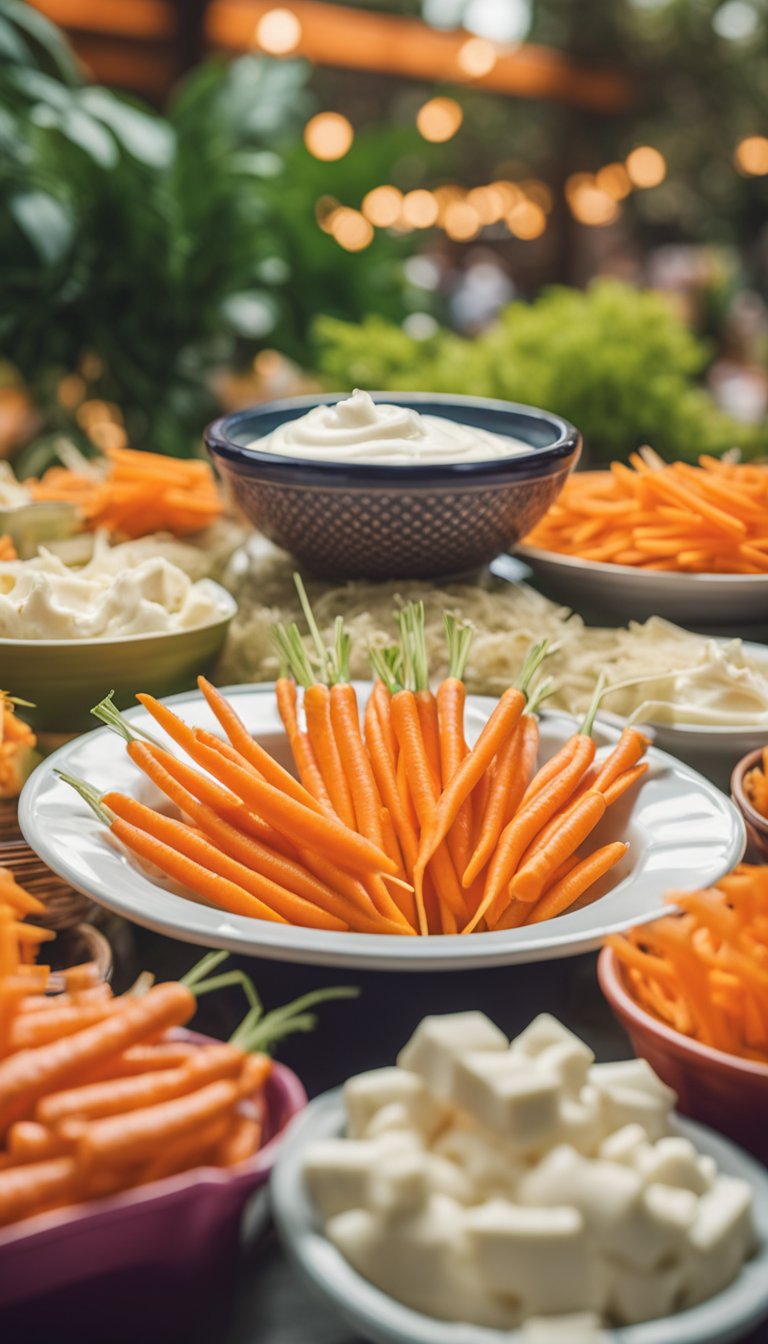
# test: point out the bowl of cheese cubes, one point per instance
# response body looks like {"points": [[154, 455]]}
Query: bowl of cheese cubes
{"points": [[482, 1191]]}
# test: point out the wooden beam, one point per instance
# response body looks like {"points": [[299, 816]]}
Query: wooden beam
{"points": [[152, 20], [363, 40]]}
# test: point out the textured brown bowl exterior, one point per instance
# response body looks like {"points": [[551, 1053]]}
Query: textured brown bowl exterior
{"points": [[757, 826], [727, 1093], [382, 533]]}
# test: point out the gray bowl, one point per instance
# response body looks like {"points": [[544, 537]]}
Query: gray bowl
{"points": [[362, 520]]}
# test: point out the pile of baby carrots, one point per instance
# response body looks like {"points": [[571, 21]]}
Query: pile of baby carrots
{"points": [[394, 825], [705, 971], [756, 785], [132, 494], [711, 518], [97, 1095]]}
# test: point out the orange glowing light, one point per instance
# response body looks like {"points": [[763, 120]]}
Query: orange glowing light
{"points": [[461, 222], [539, 193], [381, 206], [526, 220], [488, 202], [751, 155], [592, 206], [614, 179], [419, 210], [645, 166], [476, 57], [328, 136], [278, 32], [350, 229], [439, 119]]}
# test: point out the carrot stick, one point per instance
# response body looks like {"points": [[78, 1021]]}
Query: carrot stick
{"points": [[301, 747], [199, 1149], [380, 701], [559, 897], [317, 707], [48, 1024], [526, 824], [30, 1074], [305, 826], [29, 1141], [630, 747], [426, 708], [345, 722], [580, 820], [508, 775], [120, 1140], [251, 751], [623, 782], [36, 1187], [241, 1143], [451, 698], [209, 1063]]}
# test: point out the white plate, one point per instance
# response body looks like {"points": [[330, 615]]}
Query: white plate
{"points": [[682, 832], [378, 1317], [633, 594]]}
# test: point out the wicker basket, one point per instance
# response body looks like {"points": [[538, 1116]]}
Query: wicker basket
{"points": [[64, 908]]}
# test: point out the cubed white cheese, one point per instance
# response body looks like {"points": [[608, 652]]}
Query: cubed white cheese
{"points": [[399, 1183], [488, 1160], [673, 1161], [337, 1173], [553, 1045], [626, 1145], [367, 1095], [504, 1093], [721, 1237], [633, 1075], [439, 1042], [540, 1255], [605, 1193], [641, 1295], [656, 1231], [580, 1121], [582, 1327]]}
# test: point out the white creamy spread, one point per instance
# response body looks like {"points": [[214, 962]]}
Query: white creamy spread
{"points": [[361, 430], [521, 1184], [43, 598]]}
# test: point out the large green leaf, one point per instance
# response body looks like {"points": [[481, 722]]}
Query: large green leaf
{"points": [[46, 223], [12, 46], [145, 137], [38, 87], [90, 136], [46, 36]]}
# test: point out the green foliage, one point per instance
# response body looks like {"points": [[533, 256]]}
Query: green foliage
{"points": [[166, 247], [615, 361]]}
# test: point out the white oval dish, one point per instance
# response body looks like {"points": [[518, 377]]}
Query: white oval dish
{"points": [[682, 832], [632, 594], [378, 1317]]}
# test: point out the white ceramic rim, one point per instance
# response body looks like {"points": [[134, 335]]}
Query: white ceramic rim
{"points": [[603, 567], [154, 906], [723, 1318], [224, 599]]}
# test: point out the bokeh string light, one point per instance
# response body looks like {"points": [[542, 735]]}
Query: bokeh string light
{"points": [[439, 119], [278, 32], [328, 136], [646, 166], [751, 155], [382, 206], [476, 57]]}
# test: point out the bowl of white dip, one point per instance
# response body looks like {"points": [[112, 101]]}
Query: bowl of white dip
{"points": [[68, 636], [361, 486]]}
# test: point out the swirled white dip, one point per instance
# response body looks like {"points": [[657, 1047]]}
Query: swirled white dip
{"points": [[113, 595], [359, 429]]}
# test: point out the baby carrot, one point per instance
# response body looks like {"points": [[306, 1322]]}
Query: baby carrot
{"points": [[36, 1187], [345, 722], [120, 1140], [303, 825], [301, 747], [29, 1141], [630, 747], [563, 894], [48, 1024], [241, 1143], [576, 825], [317, 708], [30, 1074]]}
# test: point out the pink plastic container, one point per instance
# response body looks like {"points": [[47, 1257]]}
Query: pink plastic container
{"points": [[145, 1264], [728, 1093]]}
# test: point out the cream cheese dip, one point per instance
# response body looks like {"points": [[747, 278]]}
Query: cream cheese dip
{"points": [[358, 429]]}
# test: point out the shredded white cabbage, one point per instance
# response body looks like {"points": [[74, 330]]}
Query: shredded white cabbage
{"points": [[681, 677]]}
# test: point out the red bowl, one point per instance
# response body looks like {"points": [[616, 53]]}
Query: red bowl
{"points": [[720, 1090], [755, 822], [173, 1243]]}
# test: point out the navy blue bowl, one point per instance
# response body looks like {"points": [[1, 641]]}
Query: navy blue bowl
{"points": [[357, 520]]}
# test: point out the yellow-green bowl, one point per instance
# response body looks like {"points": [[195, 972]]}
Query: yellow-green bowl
{"points": [[64, 678]]}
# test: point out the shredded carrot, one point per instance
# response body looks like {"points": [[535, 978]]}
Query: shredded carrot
{"points": [[708, 518]]}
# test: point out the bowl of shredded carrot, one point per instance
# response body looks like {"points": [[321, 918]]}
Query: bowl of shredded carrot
{"points": [[691, 990], [687, 542], [749, 790]]}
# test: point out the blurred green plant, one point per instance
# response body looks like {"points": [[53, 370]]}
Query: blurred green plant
{"points": [[617, 362], [146, 252]]}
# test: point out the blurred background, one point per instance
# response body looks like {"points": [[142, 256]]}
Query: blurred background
{"points": [[205, 203]]}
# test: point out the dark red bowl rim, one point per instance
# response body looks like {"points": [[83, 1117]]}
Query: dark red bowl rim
{"points": [[756, 819], [613, 987]]}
